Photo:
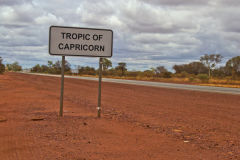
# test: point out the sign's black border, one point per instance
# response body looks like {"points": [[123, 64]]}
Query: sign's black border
{"points": [[49, 43]]}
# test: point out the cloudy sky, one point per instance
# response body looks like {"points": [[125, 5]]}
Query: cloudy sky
{"points": [[147, 33]]}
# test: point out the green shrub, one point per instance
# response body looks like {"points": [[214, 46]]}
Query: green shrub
{"points": [[203, 77], [191, 79], [167, 75], [2, 66], [14, 67], [183, 74]]}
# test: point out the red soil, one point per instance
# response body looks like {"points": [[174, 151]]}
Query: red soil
{"points": [[138, 123]]}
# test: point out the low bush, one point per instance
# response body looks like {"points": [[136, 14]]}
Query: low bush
{"points": [[203, 77], [191, 79]]}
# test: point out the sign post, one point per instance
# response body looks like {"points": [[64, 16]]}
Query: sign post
{"points": [[62, 87], [88, 42], [99, 87]]}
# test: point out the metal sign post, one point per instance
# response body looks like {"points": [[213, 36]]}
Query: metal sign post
{"points": [[62, 86], [99, 87]]}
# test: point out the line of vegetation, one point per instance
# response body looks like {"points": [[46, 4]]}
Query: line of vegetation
{"points": [[203, 71], [52, 68], [2, 66], [15, 67]]}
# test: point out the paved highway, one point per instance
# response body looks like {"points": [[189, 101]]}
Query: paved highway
{"points": [[159, 84]]}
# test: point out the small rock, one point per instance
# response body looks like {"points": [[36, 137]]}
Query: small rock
{"points": [[231, 153], [3, 119], [186, 141], [37, 119], [177, 130], [84, 123]]}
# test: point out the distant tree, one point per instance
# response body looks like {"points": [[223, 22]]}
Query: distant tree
{"points": [[86, 70], [50, 64], [196, 68], [210, 61], [233, 66], [80, 69], [160, 70], [2, 66], [50, 67], [221, 72], [44, 69], [67, 66], [112, 72], [54, 68], [179, 68], [58, 66], [133, 73], [167, 74], [148, 73], [106, 64], [36, 68], [191, 68], [122, 66], [14, 67]]}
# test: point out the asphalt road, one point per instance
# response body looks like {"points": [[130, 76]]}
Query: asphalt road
{"points": [[158, 84]]}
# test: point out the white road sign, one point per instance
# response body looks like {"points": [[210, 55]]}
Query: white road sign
{"points": [[72, 41]]}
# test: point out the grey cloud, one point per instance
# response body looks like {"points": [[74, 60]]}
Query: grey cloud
{"points": [[135, 17], [230, 2], [21, 37], [22, 14], [143, 18], [226, 15], [101, 14], [12, 26], [233, 26], [232, 37], [149, 28], [13, 2], [213, 43], [99, 8], [177, 2], [181, 39], [230, 21]]}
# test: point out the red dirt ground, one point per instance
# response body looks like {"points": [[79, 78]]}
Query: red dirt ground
{"points": [[138, 123]]}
